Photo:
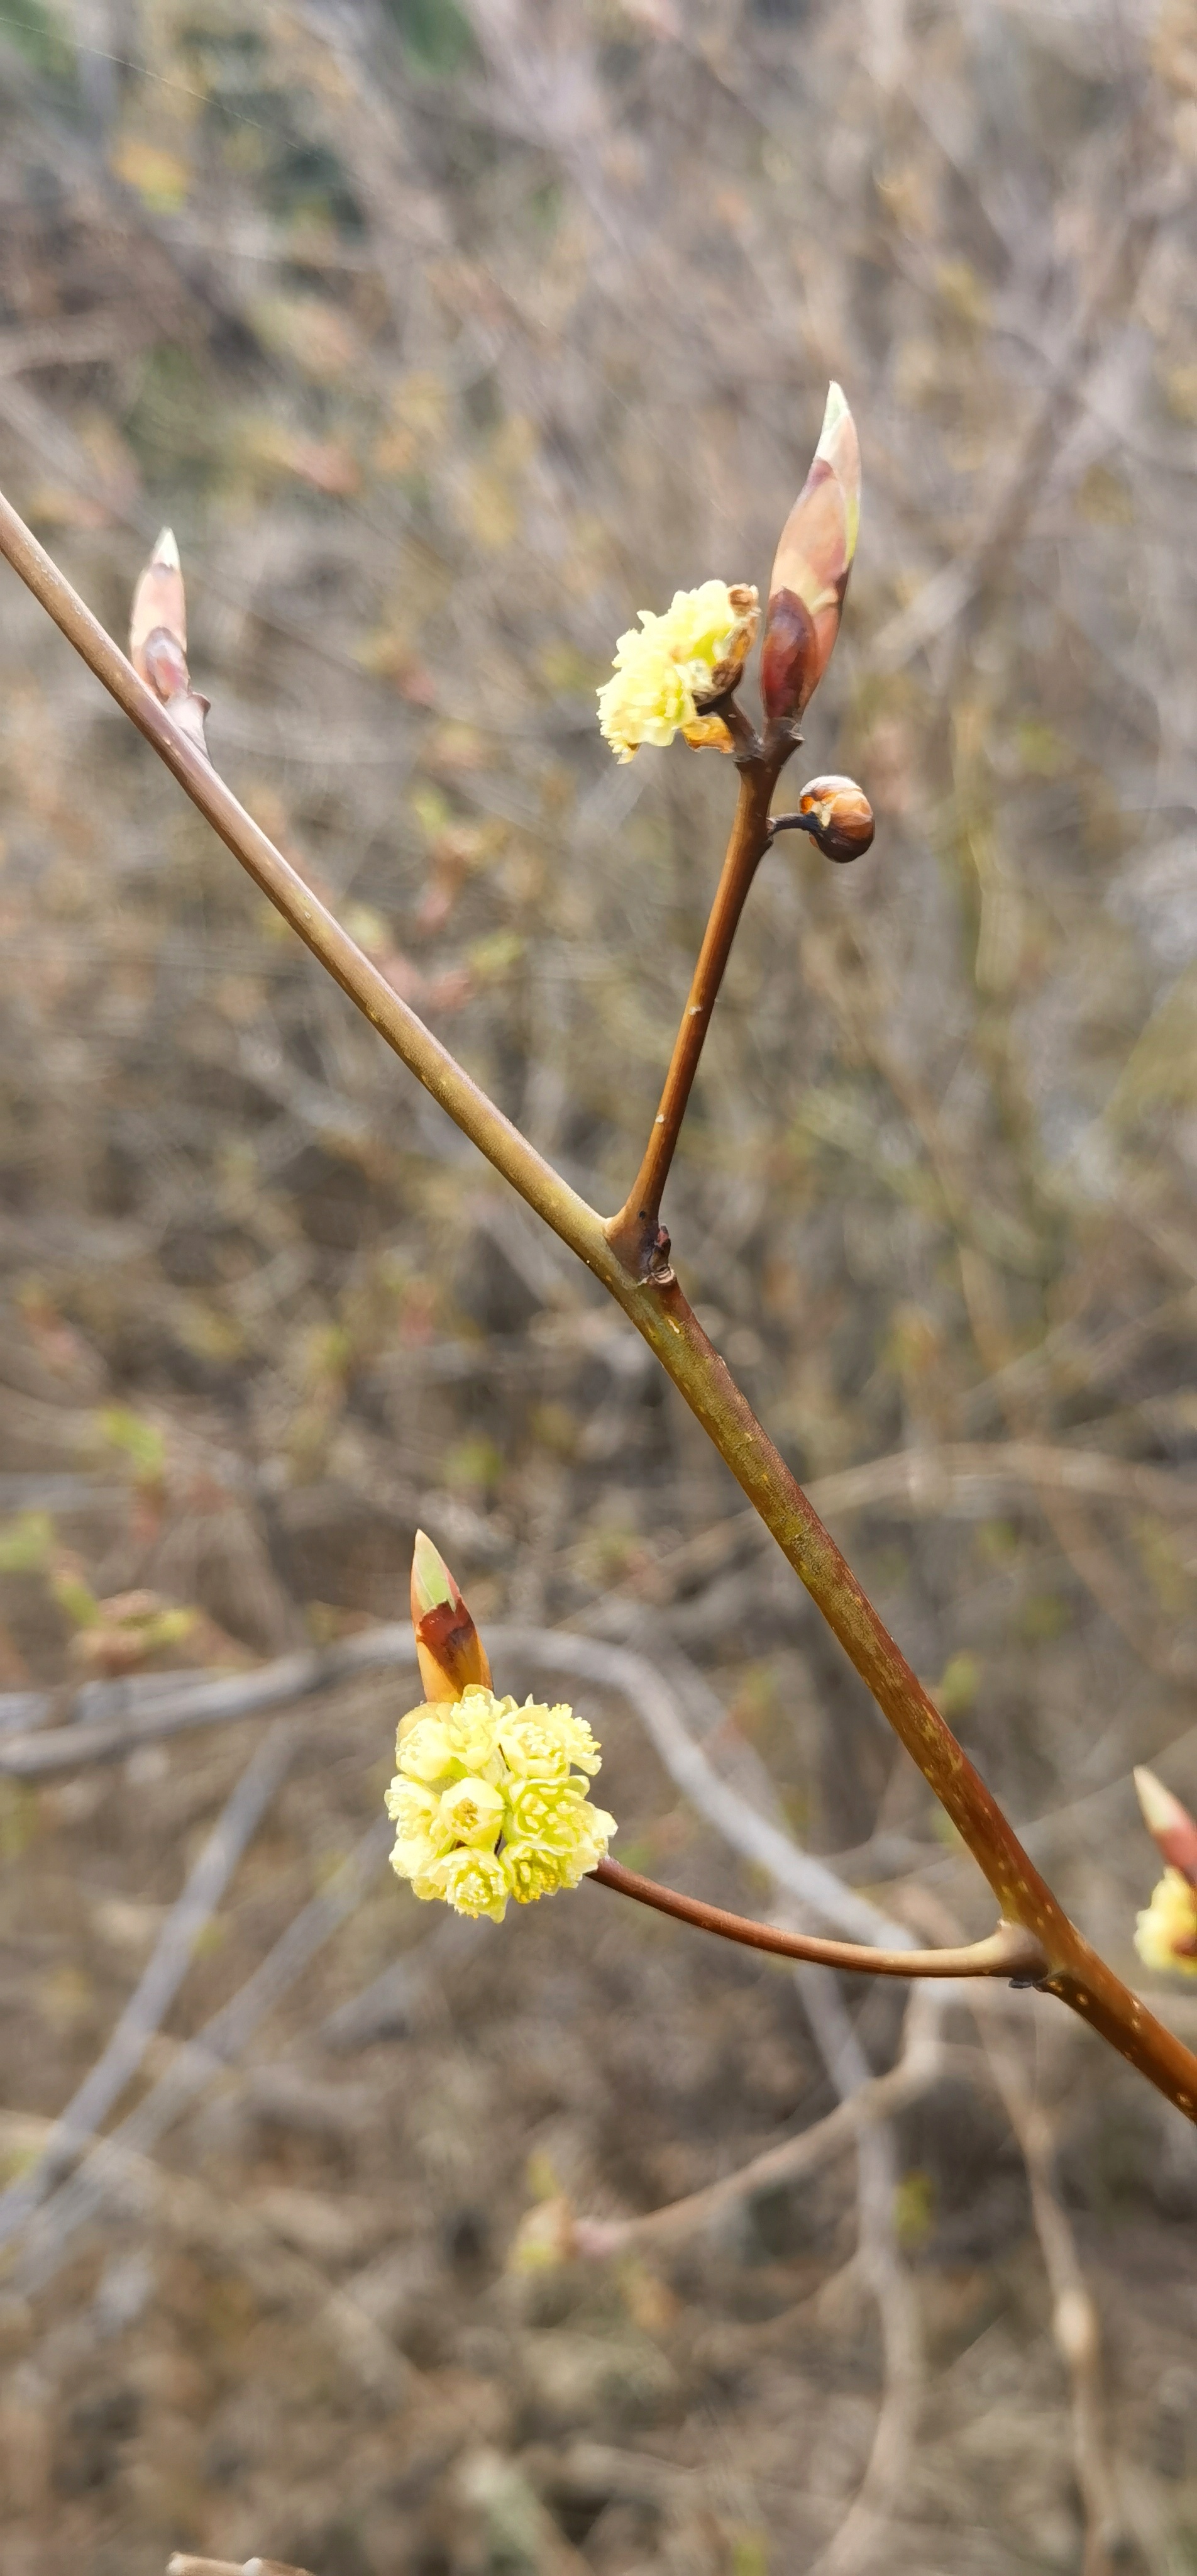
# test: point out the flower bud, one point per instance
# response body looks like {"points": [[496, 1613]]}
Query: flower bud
{"points": [[810, 572], [1166, 1931], [838, 815], [450, 1650], [1170, 1825]]}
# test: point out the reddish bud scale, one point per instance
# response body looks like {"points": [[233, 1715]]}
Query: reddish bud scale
{"points": [[450, 1651], [164, 664], [789, 656]]}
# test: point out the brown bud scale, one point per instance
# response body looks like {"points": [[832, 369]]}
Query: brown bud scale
{"points": [[838, 816]]}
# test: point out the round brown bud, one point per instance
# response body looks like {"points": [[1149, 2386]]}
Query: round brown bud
{"points": [[838, 815]]}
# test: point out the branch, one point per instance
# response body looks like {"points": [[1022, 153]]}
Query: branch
{"points": [[1008, 1952], [156, 1991], [916, 2069], [1075, 2326], [173, 1703], [878, 2261], [660, 1312], [197, 2063]]}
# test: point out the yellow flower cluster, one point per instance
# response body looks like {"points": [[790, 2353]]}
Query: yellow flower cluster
{"points": [[1166, 1933], [669, 667], [488, 1804]]}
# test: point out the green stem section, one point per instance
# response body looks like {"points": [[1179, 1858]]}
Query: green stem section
{"points": [[660, 1312]]}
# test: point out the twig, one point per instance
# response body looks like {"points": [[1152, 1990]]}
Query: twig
{"points": [[636, 1233], [645, 1689], [199, 2061], [986, 1304], [156, 1991], [244, 2235], [1009, 1952], [661, 1313], [790, 2162], [1075, 2325], [886, 2275], [206, 1700], [968, 1475], [1074, 2314], [741, 1825], [947, 592], [878, 2257]]}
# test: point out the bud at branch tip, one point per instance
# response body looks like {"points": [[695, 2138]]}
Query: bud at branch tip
{"points": [[811, 568], [1170, 1825], [450, 1651]]}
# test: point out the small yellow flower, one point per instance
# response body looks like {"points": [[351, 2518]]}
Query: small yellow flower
{"points": [[427, 1754], [668, 668], [576, 1737], [474, 1883], [472, 1812], [487, 1806], [1166, 1935], [532, 1750], [416, 1814], [530, 1872], [595, 1830], [545, 1812], [472, 1725], [416, 1857]]}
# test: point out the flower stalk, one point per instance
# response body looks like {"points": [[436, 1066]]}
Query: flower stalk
{"points": [[1009, 1952]]}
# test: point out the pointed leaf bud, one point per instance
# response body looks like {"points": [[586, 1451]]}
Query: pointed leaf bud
{"points": [[838, 815], [1170, 1825], [158, 640], [450, 1650], [810, 572], [159, 604]]}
